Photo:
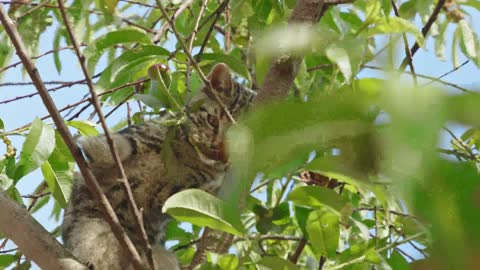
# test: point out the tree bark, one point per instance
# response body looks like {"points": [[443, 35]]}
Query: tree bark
{"points": [[283, 70], [32, 239]]}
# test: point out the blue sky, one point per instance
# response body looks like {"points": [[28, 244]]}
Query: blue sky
{"points": [[22, 112]]}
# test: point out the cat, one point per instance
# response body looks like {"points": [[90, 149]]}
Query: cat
{"points": [[159, 160]]}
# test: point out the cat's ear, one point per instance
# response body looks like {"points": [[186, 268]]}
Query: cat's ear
{"points": [[221, 79]]}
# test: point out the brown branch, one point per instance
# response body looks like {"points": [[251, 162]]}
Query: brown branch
{"points": [[298, 251], [137, 263], [80, 102], [65, 84], [73, 147], [408, 53], [425, 30], [283, 70], [30, 237], [35, 57]]}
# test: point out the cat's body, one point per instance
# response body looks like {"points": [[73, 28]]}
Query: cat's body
{"points": [[159, 160]]}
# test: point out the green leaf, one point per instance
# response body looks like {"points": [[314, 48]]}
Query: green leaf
{"points": [[372, 256], [397, 25], [86, 128], [317, 197], [58, 184], [6, 260], [397, 261], [36, 149], [129, 62], [95, 49], [468, 40], [323, 232], [5, 181], [276, 263], [150, 101], [339, 56], [203, 209], [58, 171]]}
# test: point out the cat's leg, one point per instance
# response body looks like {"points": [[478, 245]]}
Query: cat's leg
{"points": [[164, 260], [97, 150], [92, 242]]}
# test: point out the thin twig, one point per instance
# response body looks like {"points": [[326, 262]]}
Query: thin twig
{"points": [[36, 57], [167, 25], [190, 48], [383, 210], [209, 32], [425, 30], [194, 63], [463, 89], [448, 72], [408, 53], [136, 260], [8, 250], [462, 144]]}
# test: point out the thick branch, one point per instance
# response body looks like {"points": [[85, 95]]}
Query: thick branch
{"points": [[67, 137], [32, 239], [283, 70]]}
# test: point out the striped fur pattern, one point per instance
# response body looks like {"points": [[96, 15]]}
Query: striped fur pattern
{"points": [[159, 160]]}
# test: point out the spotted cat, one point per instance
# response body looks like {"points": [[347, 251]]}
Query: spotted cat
{"points": [[159, 160]]}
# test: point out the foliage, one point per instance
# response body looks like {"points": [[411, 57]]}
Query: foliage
{"points": [[346, 173]]}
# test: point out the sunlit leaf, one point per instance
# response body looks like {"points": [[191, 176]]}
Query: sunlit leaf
{"points": [[86, 128], [468, 40], [323, 232], [397, 25], [38, 146], [203, 209]]}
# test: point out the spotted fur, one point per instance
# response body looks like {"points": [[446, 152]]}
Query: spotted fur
{"points": [[159, 160]]}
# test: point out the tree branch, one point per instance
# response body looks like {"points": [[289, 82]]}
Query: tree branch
{"points": [[32, 239], [67, 137], [425, 30], [283, 70], [137, 262]]}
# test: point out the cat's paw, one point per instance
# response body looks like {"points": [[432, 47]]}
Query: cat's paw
{"points": [[97, 151]]}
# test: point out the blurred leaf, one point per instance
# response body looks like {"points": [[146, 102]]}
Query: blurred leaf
{"points": [[275, 263], [203, 209], [397, 261], [340, 57], [468, 40], [60, 187], [372, 256], [38, 146], [6, 260]]}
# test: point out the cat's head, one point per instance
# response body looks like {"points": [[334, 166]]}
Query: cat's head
{"points": [[209, 121]]}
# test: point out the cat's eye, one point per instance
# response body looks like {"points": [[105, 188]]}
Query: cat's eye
{"points": [[213, 120]]}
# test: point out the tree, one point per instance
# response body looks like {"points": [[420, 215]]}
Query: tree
{"points": [[331, 169]]}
